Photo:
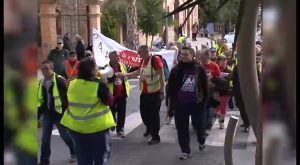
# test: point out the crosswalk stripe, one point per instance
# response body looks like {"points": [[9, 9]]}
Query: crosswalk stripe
{"points": [[55, 132], [132, 86], [132, 121], [217, 136], [168, 133]]}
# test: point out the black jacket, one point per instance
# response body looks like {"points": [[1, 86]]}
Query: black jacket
{"points": [[176, 79], [62, 91], [80, 50]]}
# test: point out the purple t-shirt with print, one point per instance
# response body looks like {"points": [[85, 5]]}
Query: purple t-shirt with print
{"points": [[187, 93]]}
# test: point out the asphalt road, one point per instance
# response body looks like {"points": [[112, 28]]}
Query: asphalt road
{"points": [[133, 149]]}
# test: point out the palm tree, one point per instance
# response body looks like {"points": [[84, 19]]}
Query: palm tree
{"points": [[132, 33], [150, 18]]}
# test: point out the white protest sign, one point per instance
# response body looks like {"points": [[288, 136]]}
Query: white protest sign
{"points": [[102, 45]]}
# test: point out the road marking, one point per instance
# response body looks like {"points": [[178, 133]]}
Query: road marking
{"points": [[217, 136], [132, 86], [55, 132], [132, 121]]}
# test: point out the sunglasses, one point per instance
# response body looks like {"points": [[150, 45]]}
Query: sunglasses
{"points": [[59, 43]]}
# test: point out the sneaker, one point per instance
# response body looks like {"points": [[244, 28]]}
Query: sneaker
{"points": [[121, 134], [146, 134], [152, 141], [72, 159], [184, 156], [221, 125], [201, 147]]}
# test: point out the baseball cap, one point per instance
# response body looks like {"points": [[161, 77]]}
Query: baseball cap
{"points": [[213, 49], [60, 41]]}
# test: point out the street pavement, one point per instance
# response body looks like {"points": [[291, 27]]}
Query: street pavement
{"points": [[133, 149]]}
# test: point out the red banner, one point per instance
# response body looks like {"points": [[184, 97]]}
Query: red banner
{"points": [[130, 58]]}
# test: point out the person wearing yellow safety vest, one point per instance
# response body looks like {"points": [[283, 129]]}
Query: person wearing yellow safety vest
{"points": [[120, 89], [152, 86], [218, 46], [19, 117], [181, 39], [88, 116], [52, 95]]}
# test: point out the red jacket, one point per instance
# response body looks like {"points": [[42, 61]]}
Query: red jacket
{"points": [[71, 72]]}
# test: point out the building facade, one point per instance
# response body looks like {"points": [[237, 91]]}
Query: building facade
{"points": [[57, 17]]}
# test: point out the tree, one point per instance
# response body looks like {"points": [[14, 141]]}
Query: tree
{"points": [[210, 11], [229, 12], [150, 18], [132, 34], [117, 10], [108, 26]]}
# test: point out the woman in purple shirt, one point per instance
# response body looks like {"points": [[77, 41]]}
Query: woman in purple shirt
{"points": [[188, 93]]}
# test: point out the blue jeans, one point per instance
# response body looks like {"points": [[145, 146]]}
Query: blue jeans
{"points": [[92, 149], [48, 123], [182, 116]]}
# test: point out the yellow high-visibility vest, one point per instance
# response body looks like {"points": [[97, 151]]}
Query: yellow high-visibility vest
{"points": [[26, 139], [86, 113], [218, 49], [152, 80], [57, 99], [181, 39], [127, 88]]}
